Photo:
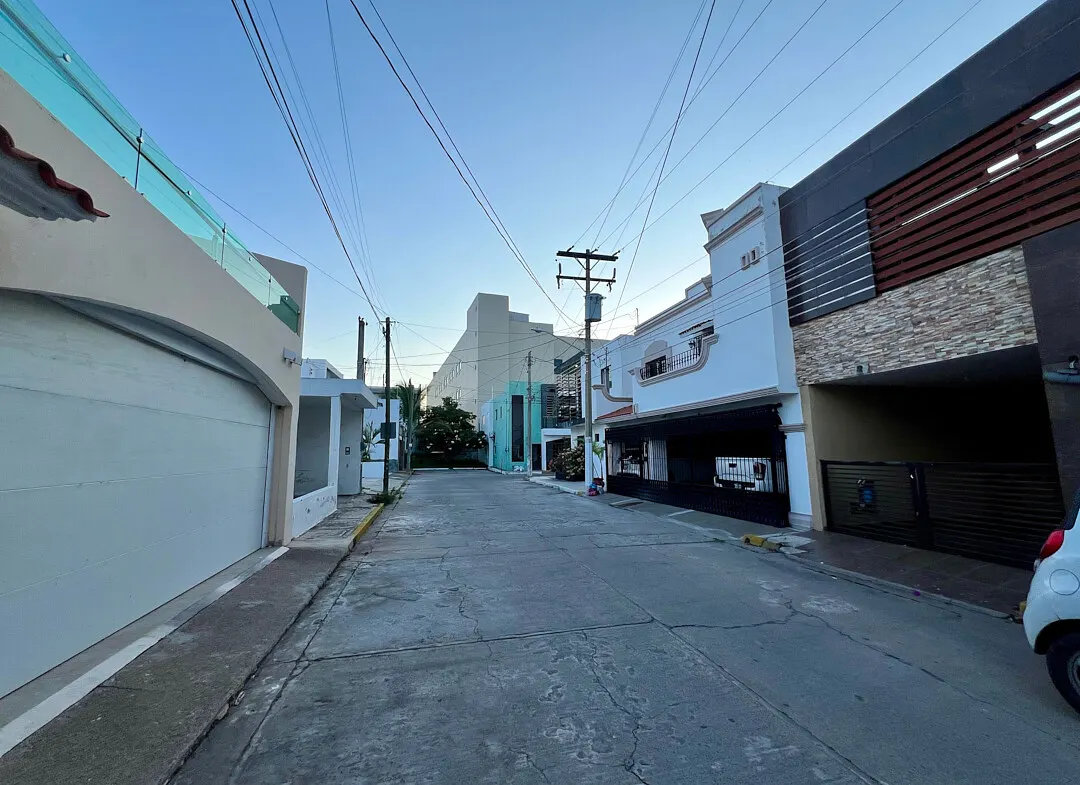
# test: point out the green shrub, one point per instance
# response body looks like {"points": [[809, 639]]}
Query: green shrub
{"points": [[571, 463]]}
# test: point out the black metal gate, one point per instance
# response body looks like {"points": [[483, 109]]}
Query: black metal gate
{"points": [[683, 461], [994, 512]]}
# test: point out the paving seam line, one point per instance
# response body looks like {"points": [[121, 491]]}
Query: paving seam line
{"points": [[910, 592], [358, 532], [232, 696]]}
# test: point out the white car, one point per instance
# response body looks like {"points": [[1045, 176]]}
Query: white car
{"points": [[1052, 614]]}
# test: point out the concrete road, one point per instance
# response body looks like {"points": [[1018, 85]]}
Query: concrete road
{"points": [[494, 631]]}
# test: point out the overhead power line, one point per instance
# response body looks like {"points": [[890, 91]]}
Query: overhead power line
{"points": [[727, 109], [358, 207], [836, 125], [273, 83], [473, 185], [697, 92], [645, 132], [674, 130], [775, 115]]}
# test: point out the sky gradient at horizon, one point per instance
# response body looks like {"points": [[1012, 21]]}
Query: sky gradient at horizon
{"points": [[546, 101]]}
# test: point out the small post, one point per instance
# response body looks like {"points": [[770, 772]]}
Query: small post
{"points": [[138, 156]]}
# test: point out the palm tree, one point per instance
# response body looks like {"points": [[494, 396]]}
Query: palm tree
{"points": [[410, 417], [369, 438]]}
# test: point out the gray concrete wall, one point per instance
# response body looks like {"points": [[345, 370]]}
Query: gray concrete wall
{"points": [[1028, 60], [1053, 269], [312, 446]]}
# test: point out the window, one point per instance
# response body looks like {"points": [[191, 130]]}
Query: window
{"points": [[654, 368], [605, 377], [517, 428], [749, 258]]}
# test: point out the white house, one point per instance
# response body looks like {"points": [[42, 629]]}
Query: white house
{"points": [[699, 406], [148, 374], [329, 448]]}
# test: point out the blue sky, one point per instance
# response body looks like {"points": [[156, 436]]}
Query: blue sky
{"points": [[546, 101]]}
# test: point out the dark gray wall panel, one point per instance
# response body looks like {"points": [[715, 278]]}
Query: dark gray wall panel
{"points": [[1024, 63]]}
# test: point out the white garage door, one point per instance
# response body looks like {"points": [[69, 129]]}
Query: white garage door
{"points": [[128, 474]]}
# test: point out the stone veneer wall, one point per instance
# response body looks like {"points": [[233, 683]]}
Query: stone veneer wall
{"points": [[978, 307]]}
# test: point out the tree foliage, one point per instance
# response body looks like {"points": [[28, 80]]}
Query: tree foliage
{"points": [[448, 430], [410, 397], [369, 438]]}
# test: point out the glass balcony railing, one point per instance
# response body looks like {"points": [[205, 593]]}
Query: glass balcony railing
{"points": [[36, 56]]}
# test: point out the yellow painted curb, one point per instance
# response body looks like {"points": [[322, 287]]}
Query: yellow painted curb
{"points": [[365, 524], [760, 542]]}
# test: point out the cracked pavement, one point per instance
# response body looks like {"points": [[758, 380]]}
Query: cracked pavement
{"points": [[490, 630]]}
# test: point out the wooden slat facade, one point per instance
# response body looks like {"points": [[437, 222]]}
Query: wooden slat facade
{"points": [[1008, 183]]}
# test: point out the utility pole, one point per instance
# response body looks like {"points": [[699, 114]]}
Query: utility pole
{"points": [[386, 431], [528, 422], [592, 314], [361, 371]]}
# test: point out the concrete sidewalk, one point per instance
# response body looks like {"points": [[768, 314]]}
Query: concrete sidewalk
{"points": [[140, 725], [992, 587], [566, 486]]}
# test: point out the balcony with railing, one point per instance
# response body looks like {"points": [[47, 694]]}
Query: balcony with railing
{"points": [[675, 362], [656, 366], [36, 56]]}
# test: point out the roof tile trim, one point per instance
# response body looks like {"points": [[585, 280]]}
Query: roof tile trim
{"points": [[48, 174]]}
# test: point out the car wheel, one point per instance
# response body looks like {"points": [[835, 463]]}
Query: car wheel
{"points": [[1063, 662]]}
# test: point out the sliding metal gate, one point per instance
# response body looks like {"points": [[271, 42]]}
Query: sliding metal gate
{"points": [[994, 512]]}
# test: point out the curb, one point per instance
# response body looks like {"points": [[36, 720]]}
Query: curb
{"points": [[758, 541], [558, 488], [896, 588], [365, 524], [451, 469]]}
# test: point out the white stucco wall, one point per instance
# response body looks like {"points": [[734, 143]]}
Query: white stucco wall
{"points": [[350, 451], [752, 359], [313, 508], [377, 417]]}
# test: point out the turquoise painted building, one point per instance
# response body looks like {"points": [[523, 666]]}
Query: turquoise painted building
{"points": [[503, 419]]}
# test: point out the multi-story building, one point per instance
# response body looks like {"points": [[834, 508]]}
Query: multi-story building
{"points": [[493, 351], [149, 371], [699, 406], [505, 421], [933, 291], [562, 409]]}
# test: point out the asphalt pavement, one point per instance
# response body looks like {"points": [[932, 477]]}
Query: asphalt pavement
{"points": [[490, 630]]}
